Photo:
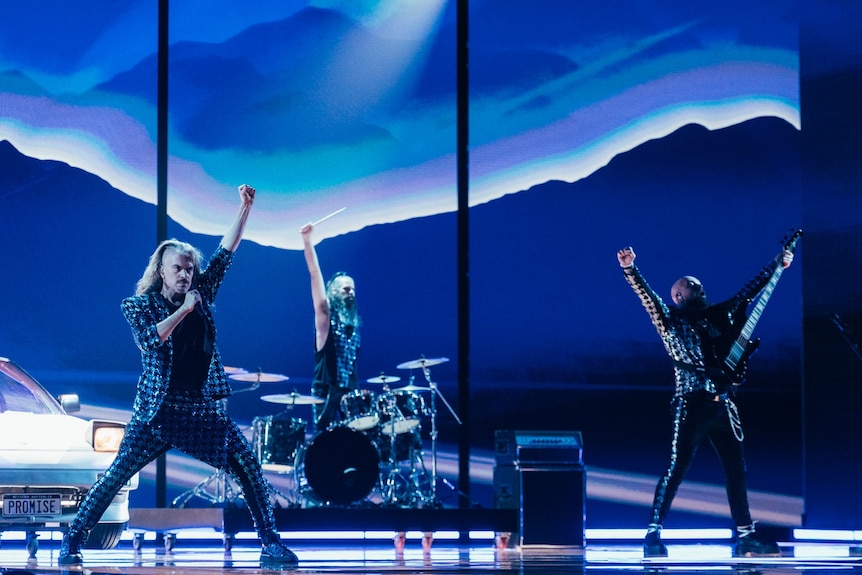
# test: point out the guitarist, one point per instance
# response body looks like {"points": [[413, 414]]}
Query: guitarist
{"points": [[701, 406]]}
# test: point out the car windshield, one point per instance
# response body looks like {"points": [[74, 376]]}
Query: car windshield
{"points": [[20, 392]]}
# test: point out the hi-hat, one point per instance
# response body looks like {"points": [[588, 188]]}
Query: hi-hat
{"points": [[384, 379], [234, 370], [292, 399], [257, 376], [423, 362], [412, 387]]}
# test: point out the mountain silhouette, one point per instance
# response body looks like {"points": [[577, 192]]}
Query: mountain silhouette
{"points": [[541, 261]]}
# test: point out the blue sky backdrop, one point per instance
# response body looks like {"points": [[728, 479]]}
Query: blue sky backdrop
{"points": [[670, 126], [326, 105]]}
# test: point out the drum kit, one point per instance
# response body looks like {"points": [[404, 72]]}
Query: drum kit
{"points": [[372, 454]]}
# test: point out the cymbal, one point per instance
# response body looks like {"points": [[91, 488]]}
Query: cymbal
{"points": [[257, 376], [384, 379], [234, 370], [412, 387], [423, 362], [292, 399]]}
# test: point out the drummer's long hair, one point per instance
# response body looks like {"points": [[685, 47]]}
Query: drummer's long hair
{"points": [[348, 311]]}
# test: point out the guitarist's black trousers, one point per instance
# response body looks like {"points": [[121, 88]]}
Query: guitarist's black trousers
{"points": [[698, 416]]}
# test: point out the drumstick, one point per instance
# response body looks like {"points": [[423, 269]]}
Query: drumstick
{"points": [[324, 218]]}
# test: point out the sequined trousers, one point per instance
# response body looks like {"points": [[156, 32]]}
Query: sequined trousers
{"points": [[199, 428], [699, 416]]}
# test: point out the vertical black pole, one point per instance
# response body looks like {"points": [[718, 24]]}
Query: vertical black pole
{"points": [[463, 248], [162, 187]]}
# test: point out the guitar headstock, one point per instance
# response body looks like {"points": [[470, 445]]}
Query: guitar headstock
{"points": [[790, 240]]}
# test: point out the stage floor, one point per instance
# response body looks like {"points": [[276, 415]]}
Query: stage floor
{"points": [[449, 558]]}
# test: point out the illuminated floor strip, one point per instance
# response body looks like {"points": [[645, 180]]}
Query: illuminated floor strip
{"points": [[445, 558]]}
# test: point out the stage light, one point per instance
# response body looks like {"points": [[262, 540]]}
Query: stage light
{"points": [[827, 535], [667, 534]]}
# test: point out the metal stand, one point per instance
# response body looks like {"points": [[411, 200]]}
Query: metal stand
{"points": [[846, 333], [434, 393], [390, 485], [423, 363], [215, 489]]}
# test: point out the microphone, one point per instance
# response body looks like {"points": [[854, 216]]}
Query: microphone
{"points": [[840, 324], [199, 308]]}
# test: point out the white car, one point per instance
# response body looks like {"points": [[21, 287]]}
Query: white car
{"points": [[49, 460]]}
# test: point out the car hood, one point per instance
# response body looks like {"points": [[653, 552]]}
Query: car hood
{"points": [[42, 432]]}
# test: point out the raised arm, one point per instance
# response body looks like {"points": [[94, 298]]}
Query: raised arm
{"points": [[318, 288], [231, 239], [651, 301]]}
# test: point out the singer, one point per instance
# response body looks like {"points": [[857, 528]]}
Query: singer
{"points": [[179, 396]]}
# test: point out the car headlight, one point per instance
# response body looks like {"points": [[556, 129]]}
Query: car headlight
{"points": [[106, 435]]}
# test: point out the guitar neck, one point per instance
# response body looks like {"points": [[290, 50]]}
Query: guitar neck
{"points": [[738, 347]]}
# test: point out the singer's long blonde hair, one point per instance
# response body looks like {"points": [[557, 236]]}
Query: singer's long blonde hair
{"points": [[151, 281]]}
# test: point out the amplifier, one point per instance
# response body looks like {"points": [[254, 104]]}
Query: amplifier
{"points": [[541, 474], [520, 448]]}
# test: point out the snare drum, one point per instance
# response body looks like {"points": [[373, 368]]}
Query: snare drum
{"points": [[338, 466], [400, 411], [275, 441], [360, 409]]}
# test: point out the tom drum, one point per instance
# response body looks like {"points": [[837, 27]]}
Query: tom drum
{"points": [[400, 411], [276, 440], [360, 409]]}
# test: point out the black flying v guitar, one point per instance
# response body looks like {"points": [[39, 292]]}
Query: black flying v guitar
{"points": [[731, 354]]}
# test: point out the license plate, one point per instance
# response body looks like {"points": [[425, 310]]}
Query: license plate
{"points": [[31, 504]]}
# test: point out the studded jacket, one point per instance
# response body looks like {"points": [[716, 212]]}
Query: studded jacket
{"points": [[144, 312], [682, 334]]}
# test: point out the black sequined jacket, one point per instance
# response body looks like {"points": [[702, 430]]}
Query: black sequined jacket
{"points": [[144, 312], [682, 333]]}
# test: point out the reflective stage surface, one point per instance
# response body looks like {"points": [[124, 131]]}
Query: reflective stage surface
{"points": [[444, 557]]}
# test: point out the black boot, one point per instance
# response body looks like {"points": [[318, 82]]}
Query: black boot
{"points": [[277, 555], [754, 545], [653, 546], [70, 550]]}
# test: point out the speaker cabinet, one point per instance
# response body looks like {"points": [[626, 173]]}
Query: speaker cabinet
{"points": [[552, 506], [550, 494]]}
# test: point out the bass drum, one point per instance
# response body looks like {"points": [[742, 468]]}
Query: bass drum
{"points": [[275, 441], [339, 466]]}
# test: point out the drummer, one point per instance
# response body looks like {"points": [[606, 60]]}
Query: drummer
{"points": [[336, 336]]}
